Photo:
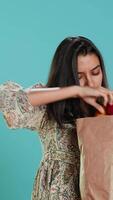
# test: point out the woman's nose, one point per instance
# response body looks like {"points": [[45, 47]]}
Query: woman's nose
{"points": [[89, 81]]}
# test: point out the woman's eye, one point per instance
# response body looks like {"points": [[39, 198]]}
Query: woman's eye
{"points": [[95, 72]]}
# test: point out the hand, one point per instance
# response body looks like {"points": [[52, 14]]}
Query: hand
{"points": [[89, 95]]}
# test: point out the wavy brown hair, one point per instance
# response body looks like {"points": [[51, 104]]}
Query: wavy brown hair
{"points": [[63, 73]]}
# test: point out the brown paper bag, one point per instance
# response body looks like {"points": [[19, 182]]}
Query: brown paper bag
{"points": [[95, 140]]}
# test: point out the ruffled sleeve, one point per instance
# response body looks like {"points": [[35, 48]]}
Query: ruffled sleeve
{"points": [[16, 108]]}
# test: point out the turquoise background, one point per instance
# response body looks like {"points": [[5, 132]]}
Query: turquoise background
{"points": [[29, 34]]}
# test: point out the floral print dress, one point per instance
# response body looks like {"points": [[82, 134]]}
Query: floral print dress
{"points": [[58, 175]]}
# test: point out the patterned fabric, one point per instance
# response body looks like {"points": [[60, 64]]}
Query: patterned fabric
{"points": [[58, 175]]}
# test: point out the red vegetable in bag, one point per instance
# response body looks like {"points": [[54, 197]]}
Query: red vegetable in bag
{"points": [[108, 109]]}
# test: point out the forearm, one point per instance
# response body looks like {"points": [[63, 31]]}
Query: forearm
{"points": [[48, 95]]}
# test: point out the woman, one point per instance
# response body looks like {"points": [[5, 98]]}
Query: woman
{"points": [[77, 77]]}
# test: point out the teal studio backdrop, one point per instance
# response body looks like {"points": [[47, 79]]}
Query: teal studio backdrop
{"points": [[29, 34]]}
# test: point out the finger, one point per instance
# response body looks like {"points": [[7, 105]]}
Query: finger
{"points": [[110, 96], [104, 89], [99, 108], [93, 102], [105, 98], [97, 93]]}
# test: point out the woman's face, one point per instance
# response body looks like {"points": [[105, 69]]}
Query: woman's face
{"points": [[89, 70]]}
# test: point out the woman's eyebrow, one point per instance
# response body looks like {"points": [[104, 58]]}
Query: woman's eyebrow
{"points": [[95, 67]]}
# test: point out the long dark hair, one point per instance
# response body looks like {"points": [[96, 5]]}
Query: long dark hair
{"points": [[63, 72]]}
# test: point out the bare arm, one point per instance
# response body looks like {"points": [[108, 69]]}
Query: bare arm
{"points": [[40, 96]]}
